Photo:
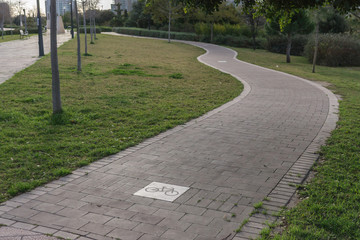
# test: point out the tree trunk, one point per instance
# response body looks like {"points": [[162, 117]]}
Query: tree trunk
{"points": [[212, 31], [253, 29], [94, 27], [78, 38], [91, 29], [2, 26], [288, 48], [56, 100], [83, 3], [169, 27], [316, 44]]}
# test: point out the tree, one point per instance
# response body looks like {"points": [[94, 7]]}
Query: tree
{"points": [[83, 5], [78, 37], [300, 24], [271, 8], [4, 16], [163, 10], [140, 16], [56, 100], [254, 21], [277, 5], [331, 21], [105, 16]]}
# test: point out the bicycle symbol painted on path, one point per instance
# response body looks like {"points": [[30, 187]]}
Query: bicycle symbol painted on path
{"points": [[169, 191], [162, 191]]}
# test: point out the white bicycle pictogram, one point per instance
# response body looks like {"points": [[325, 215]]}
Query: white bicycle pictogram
{"points": [[169, 191]]}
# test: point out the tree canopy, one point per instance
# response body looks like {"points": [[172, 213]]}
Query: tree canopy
{"points": [[287, 5]]}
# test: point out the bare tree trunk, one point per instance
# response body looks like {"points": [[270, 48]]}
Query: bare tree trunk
{"points": [[253, 30], [83, 4], [169, 27], [56, 100], [288, 48], [2, 24], [94, 26], [316, 44], [78, 38], [91, 28], [211, 31]]}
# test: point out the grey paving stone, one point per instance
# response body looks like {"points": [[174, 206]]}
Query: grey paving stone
{"points": [[44, 230], [124, 234], [178, 235], [146, 218], [66, 235], [203, 230], [122, 223], [150, 229], [197, 219], [96, 218], [174, 224], [97, 228]]}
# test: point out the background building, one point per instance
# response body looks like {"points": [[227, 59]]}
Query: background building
{"points": [[61, 5], [124, 5]]}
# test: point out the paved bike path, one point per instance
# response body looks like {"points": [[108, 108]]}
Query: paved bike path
{"points": [[17, 55], [231, 158]]}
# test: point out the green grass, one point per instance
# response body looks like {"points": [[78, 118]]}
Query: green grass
{"points": [[331, 209], [123, 96], [9, 37]]}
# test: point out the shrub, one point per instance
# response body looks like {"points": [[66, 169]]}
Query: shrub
{"points": [[277, 44], [106, 29], [335, 50], [156, 33], [98, 30]]}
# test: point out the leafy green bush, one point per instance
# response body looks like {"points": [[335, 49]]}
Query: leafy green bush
{"points": [[335, 50], [98, 30], [277, 44], [105, 29], [223, 29], [235, 41], [156, 33]]}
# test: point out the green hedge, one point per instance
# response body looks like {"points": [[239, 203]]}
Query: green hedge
{"points": [[106, 29], [234, 41], [98, 30], [156, 33], [335, 50], [277, 44], [30, 31]]}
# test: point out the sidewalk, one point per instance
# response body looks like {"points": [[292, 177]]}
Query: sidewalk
{"points": [[19, 54], [253, 147]]}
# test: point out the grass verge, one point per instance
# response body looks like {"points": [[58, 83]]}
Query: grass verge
{"points": [[9, 37], [331, 208], [126, 93]]}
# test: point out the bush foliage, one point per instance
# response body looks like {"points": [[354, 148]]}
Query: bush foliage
{"points": [[156, 33], [229, 40], [335, 50], [277, 44]]}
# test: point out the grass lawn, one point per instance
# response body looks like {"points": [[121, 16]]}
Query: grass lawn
{"points": [[129, 90], [11, 37], [331, 209]]}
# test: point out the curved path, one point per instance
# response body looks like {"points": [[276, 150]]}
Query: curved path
{"points": [[253, 147], [17, 55]]}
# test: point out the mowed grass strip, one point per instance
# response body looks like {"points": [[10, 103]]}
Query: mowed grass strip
{"points": [[129, 90], [10, 37], [331, 209]]}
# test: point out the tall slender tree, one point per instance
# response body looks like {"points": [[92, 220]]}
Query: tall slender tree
{"points": [[83, 5], [78, 37], [56, 100], [163, 10]]}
